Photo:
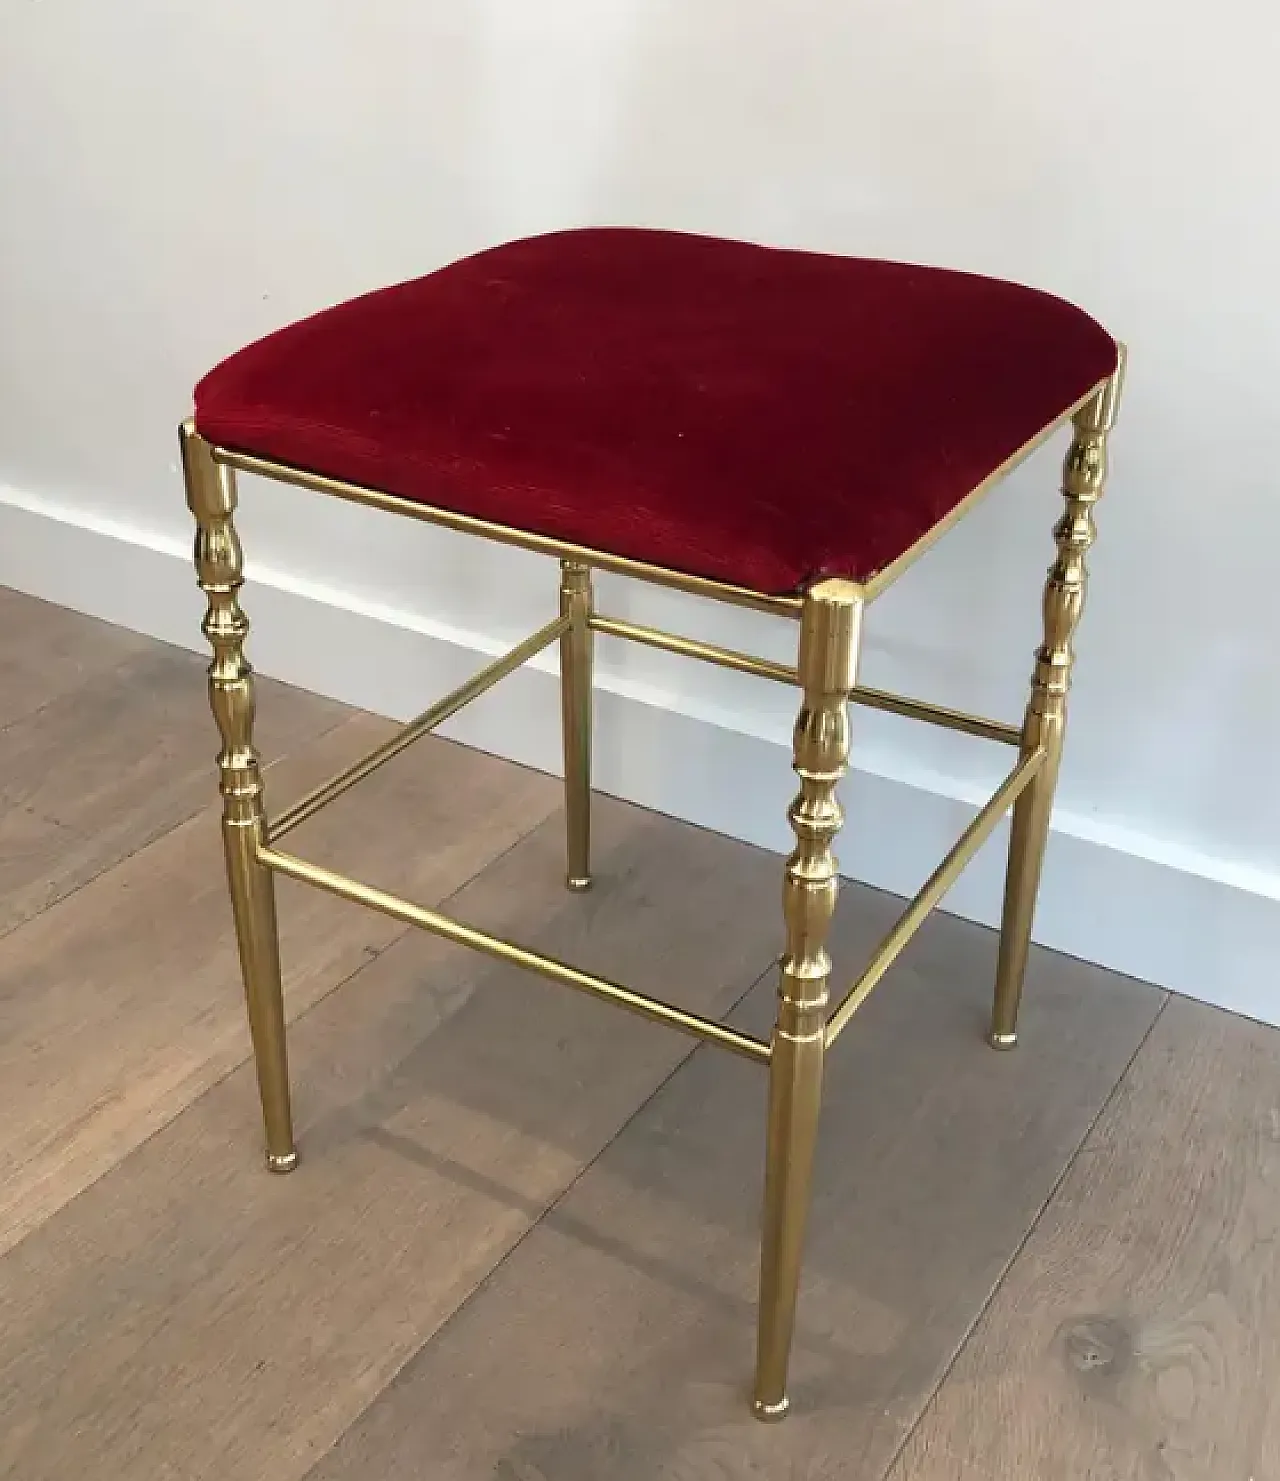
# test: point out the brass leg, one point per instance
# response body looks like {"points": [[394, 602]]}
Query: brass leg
{"points": [[829, 632], [575, 698], [211, 493], [1084, 478]]}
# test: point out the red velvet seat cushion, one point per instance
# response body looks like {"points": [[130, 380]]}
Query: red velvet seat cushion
{"points": [[755, 415]]}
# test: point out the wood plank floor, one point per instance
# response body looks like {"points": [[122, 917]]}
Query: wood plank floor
{"points": [[522, 1241]]}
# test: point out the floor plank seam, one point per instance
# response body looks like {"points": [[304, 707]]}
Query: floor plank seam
{"points": [[168, 829], [551, 1208], [911, 1430], [371, 956], [61, 696]]}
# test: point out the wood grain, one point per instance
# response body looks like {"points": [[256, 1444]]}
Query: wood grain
{"points": [[1138, 1333], [47, 651], [101, 771], [122, 1002], [924, 1458], [190, 1316], [617, 1339]]}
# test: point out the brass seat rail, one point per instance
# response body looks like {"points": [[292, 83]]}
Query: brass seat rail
{"points": [[506, 951]]}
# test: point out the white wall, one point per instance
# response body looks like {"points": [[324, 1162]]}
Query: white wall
{"points": [[178, 178]]}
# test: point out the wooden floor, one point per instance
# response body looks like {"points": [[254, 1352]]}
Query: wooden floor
{"points": [[522, 1241]]}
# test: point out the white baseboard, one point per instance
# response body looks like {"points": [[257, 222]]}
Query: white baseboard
{"points": [[1175, 918]]}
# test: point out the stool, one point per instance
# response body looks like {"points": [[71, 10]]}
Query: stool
{"points": [[780, 430]]}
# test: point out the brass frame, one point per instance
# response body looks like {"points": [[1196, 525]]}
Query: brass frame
{"points": [[829, 616]]}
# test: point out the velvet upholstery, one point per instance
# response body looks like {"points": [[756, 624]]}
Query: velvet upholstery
{"points": [[751, 414]]}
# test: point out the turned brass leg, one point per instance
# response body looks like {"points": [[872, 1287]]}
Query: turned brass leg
{"points": [[575, 699], [829, 632], [1084, 478], [211, 494]]}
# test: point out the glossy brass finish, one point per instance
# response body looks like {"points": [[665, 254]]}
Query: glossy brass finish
{"points": [[830, 628], [211, 495], [575, 703], [1083, 481], [934, 888], [599, 560], [429, 720], [878, 584], [931, 714], [652, 637], [507, 951], [830, 617], [782, 673]]}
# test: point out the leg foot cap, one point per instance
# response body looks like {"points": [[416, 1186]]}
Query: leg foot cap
{"points": [[771, 1413], [1002, 1041], [578, 882], [282, 1161]]}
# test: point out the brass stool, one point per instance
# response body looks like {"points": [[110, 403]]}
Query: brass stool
{"points": [[778, 430]]}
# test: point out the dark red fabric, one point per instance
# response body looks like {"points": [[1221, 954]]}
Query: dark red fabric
{"points": [[756, 415]]}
